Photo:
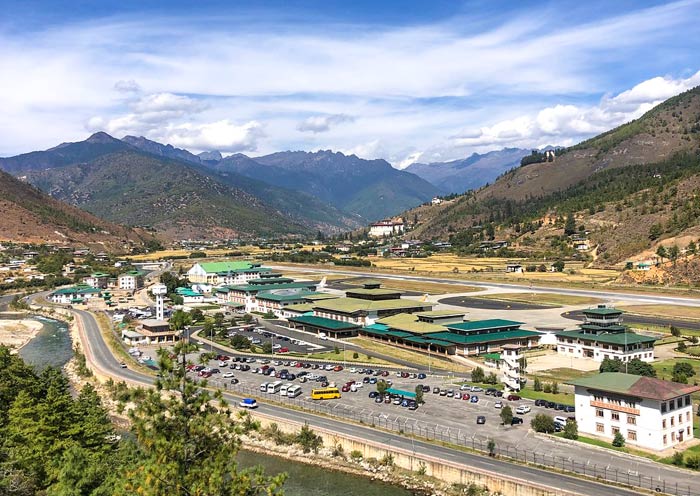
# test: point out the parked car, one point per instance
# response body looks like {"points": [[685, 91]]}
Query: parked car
{"points": [[490, 391], [227, 375], [570, 409], [466, 396], [522, 409], [443, 392], [513, 397], [436, 390], [498, 404], [450, 393], [378, 399], [422, 375], [560, 407], [480, 420], [458, 395], [550, 404], [474, 399], [516, 421], [426, 389], [541, 403], [477, 389], [373, 394], [465, 387]]}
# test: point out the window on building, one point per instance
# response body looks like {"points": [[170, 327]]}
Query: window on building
{"points": [[615, 430], [687, 430], [665, 439], [631, 404], [673, 437], [599, 413], [673, 421], [615, 416], [687, 416], [672, 405], [663, 407], [600, 428], [631, 420], [687, 400], [663, 423], [632, 435], [680, 418]]}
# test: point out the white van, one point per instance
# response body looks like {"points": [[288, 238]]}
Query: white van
{"points": [[560, 420], [263, 387], [285, 388], [293, 391], [274, 387]]}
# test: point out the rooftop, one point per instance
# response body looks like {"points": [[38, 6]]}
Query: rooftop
{"points": [[441, 313], [283, 295], [352, 305], [482, 325], [324, 323], [409, 322], [635, 385], [481, 338], [214, 267], [373, 291], [270, 280], [609, 337], [270, 287], [602, 311]]}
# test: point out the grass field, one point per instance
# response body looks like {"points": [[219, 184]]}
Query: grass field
{"points": [[419, 286], [664, 368], [553, 300], [419, 359], [561, 375], [563, 398], [671, 311]]}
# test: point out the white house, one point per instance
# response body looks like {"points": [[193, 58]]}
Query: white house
{"points": [[647, 412], [603, 336], [97, 280], [386, 227], [131, 280], [436, 201], [229, 272], [74, 294]]}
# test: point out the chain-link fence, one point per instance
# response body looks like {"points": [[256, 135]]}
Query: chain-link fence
{"points": [[411, 427]]}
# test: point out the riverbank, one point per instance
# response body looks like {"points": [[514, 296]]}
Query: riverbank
{"points": [[16, 333]]}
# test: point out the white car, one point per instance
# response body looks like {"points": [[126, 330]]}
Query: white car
{"points": [[354, 387], [498, 404], [465, 387], [352, 370], [522, 409], [477, 389], [227, 375], [223, 364]]}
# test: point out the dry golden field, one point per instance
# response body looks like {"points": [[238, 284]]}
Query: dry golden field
{"points": [[674, 311], [420, 286]]}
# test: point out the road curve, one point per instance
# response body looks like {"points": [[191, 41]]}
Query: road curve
{"points": [[99, 354]]}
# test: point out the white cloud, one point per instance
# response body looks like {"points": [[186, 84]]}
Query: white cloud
{"points": [[129, 86], [222, 135], [323, 123], [567, 124]]}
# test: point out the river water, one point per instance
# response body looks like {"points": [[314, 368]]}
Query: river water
{"points": [[52, 347], [310, 480]]}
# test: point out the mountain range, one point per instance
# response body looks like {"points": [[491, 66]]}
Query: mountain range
{"points": [[458, 176], [632, 189], [139, 182]]}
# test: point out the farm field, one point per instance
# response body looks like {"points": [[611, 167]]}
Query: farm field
{"points": [[554, 300]]}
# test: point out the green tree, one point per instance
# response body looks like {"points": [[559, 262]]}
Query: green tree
{"points": [[571, 429], [675, 331], [570, 225], [187, 445], [555, 387], [239, 342], [537, 384], [267, 347], [673, 253], [179, 320], [542, 423], [419, 394], [684, 368], [506, 415], [196, 315], [661, 253], [478, 375], [308, 439], [382, 386], [558, 265], [618, 440], [682, 347]]}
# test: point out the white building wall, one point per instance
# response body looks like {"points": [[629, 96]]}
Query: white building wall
{"points": [[649, 428], [599, 352]]}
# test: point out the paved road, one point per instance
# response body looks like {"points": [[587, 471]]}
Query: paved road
{"points": [[97, 351], [488, 304], [644, 320], [611, 295]]}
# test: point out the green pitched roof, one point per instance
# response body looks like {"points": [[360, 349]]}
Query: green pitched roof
{"points": [[491, 356], [215, 267], [619, 338], [270, 287], [409, 322], [321, 296], [441, 313], [270, 280], [300, 307], [352, 305], [481, 338], [99, 274], [482, 325], [602, 311], [286, 296], [76, 290], [424, 340], [323, 323], [373, 292]]}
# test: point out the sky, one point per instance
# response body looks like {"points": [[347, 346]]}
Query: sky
{"points": [[406, 81]]}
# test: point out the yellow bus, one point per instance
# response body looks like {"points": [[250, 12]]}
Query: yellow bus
{"points": [[329, 393]]}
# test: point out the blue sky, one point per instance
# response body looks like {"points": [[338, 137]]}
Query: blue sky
{"points": [[404, 81]]}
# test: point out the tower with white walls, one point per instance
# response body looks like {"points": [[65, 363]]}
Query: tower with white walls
{"points": [[159, 291]]}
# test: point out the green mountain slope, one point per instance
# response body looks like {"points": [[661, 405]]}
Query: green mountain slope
{"points": [[630, 188]]}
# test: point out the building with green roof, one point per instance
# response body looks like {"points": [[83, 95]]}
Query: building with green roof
{"points": [[602, 335], [97, 280], [363, 312], [649, 413], [79, 293], [226, 272], [321, 325]]}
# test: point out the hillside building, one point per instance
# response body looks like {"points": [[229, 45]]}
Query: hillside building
{"points": [[602, 335], [130, 281], [74, 294], [246, 294], [647, 412], [97, 280], [386, 227], [225, 273], [189, 296]]}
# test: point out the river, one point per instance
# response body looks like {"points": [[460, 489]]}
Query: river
{"points": [[51, 347], [310, 480]]}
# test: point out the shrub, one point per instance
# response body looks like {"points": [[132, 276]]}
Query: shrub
{"points": [[387, 460], [356, 456], [308, 439], [542, 423], [618, 441], [677, 458], [693, 462], [355, 355], [537, 385], [422, 468], [478, 375], [571, 430]]}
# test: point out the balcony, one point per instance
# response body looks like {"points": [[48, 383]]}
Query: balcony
{"points": [[615, 408]]}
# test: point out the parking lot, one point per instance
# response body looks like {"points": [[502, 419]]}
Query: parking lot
{"points": [[446, 408], [280, 343]]}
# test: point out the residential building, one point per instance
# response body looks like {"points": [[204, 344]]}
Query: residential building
{"points": [[97, 280], [189, 296], [151, 331], [386, 227], [436, 201], [130, 281], [649, 413], [515, 267], [277, 301], [602, 335], [246, 294], [74, 294]]}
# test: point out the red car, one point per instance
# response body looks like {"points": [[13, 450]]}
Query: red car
{"points": [[338, 368], [283, 350], [345, 388], [465, 396]]}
